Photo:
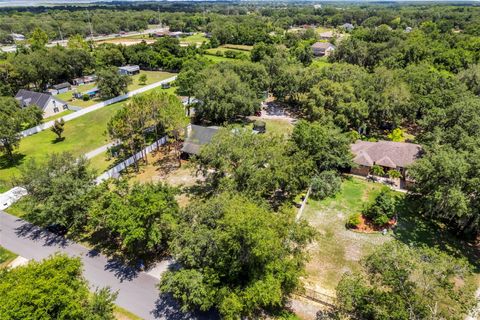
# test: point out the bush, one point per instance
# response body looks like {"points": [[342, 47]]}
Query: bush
{"points": [[383, 208], [326, 184], [85, 97], [219, 53], [353, 220]]}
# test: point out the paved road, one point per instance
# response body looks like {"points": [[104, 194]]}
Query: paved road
{"points": [[137, 291]]}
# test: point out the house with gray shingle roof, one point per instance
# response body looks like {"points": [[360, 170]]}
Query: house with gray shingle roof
{"points": [[196, 137], [387, 154], [322, 48], [46, 102]]}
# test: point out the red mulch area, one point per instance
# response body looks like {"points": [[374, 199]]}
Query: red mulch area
{"points": [[367, 226]]}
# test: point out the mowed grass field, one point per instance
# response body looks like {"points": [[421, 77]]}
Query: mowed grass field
{"points": [[82, 135], [6, 257], [224, 49], [197, 38], [152, 77]]}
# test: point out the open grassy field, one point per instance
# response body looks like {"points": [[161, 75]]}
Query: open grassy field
{"points": [[223, 49], [338, 250], [83, 134], [152, 77], [275, 126], [122, 314], [197, 38], [217, 59], [241, 47], [6, 257]]}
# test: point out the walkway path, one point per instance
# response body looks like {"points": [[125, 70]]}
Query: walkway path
{"points": [[96, 152], [137, 291], [71, 116]]}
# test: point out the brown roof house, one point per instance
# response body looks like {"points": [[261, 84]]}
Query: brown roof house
{"points": [[322, 49], [387, 154]]}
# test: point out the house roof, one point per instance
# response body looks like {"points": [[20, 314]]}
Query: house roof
{"points": [[130, 68], [26, 98], [322, 46], [197, 136], [62, 85], [385, 153]]}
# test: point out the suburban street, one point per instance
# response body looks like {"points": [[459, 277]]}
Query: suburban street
{"points": [[137, 291]]}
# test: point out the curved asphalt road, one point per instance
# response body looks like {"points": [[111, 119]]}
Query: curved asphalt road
{"points": [[137, 291]]}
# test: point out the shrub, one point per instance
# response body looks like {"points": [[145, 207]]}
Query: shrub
{"points": [[326, 184], [219, 53], [383, 208], [85, 97], [353, 220]]}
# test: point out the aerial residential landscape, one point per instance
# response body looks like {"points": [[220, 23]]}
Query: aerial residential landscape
{"points": [[239, 160]]}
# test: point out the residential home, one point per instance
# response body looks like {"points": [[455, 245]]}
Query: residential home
{"points": [[196, 137], [49, 104], [322, 49], [60, 88], [129, 70], [387, 154], [347, 26]]}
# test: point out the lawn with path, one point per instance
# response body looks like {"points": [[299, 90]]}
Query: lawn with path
{"points": [[197, 38], [339, 250]]}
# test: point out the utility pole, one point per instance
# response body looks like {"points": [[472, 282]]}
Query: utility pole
{"points": [[90, 25]]}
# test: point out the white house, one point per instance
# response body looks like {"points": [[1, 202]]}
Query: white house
{"points": [[60, 88], [49, 104], [129, 70]]}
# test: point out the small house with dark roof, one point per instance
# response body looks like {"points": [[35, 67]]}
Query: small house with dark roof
{"points": [[196, 137], [387, 154], [322, 49], [49, 104], [60, 88]]}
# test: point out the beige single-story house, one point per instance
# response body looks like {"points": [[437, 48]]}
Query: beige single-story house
{"points": [[49, 104], [387, 154], [322, 49]]}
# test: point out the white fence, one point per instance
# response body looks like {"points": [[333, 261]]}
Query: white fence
{"points": [[71, 116], [115, 171]]}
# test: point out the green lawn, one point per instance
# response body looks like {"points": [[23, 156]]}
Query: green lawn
{"points": [[223, 49], [217, 59], [68, 96], [6, 257], [275, 126], [195, 38], [338, 250], [241, 47], [152, 76], [83, 134], [101, 162]]}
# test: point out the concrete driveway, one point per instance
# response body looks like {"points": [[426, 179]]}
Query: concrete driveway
{"points": [[137, 291]]}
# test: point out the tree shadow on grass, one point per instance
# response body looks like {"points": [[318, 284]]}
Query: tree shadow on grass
{"points": [[6, 163], [57, 140], [413, 229]]}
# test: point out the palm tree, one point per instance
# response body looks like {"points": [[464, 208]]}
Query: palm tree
{"points": [[377, 170]]}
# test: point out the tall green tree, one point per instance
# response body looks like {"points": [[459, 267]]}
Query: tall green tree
{"points": [[223, 97], [38, 39], [260, 166], [52, 289], [135, 219], [58, 128], [236, 256], [111, 83], [59, 190], [401, 282], [324, 144]]}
